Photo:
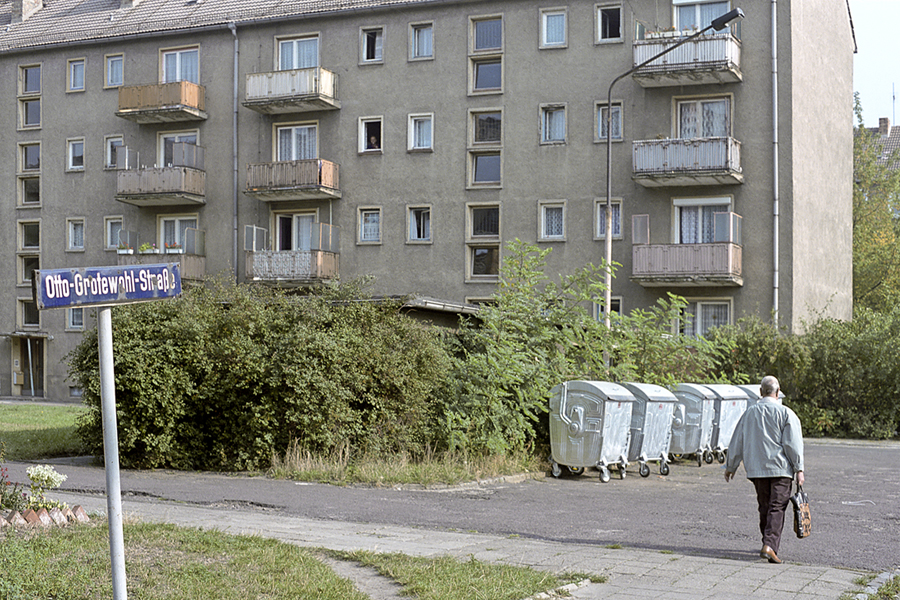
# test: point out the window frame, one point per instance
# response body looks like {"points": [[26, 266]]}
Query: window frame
{"points": [[107, 59], [480, 57], [70, 237], [22, 183], [23, 304], [599, 121], [176, 219], [363, 134], [728, 99], [410, 209], [679, 203], [277, 128], [473, 27], [71, 324], [71, 145], [23, 158], [71, 66], [545, 111], [474, 242], [598, 23], [161, 138], [24, 266], [111, 158], [676, 4], [475, 64], [364, 32], [22, 235], [280, 39], [598, 312], [178, 51], [543, 205], [600, 213], [414, 28], [543, 44], [108, 221], [412, 119], [361, 212], [679, 325], [24, 112], [23, 79]]}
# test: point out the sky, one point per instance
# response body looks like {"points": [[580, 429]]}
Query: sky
{"points": [[876, 65]]}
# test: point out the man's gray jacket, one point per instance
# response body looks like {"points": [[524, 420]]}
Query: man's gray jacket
{"points": [[769, 441]]}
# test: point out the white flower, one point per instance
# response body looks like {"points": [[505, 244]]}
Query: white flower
{"points": [[45, 476]]}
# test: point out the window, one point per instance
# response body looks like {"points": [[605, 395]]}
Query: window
{"points": [[75, 234], [420, 132], [298, 53], [30, 111], [75, 320], [486, 61], [487, 127], [553, 124], [700, 316], [75, 155], [486, 168], [30, 80], [76, 75], [553, 224], [181, 65], [370, 134], [29, 235], [28, 264], [704, 118], [609, 23], [697, 15], [485, 165], [615, 121], [615, 308], [112, 225], [553, 28], [167, 143], [600, 212], [369, 225], [29, 191], [31, 157], [696, 219], [419, 224], [487, 75], [483, 243], [371, 44], [293, 231], [113, 143], [31, 316], [487, 34], [115, 70], [297, 142], [421, 41], [171, 229]]}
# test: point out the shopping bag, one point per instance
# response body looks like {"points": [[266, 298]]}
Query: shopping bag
{"points": [[802, 521]]}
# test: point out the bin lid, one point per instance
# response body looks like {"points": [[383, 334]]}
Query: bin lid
{"points": [[694, 391], [650, 392], [605, 389], [726, 391]]}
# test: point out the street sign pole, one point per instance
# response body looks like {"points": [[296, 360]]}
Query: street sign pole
{"points": [[111, 453]]}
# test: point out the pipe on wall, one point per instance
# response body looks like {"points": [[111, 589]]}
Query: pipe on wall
{"points": [[775, 207], [234, 155]]}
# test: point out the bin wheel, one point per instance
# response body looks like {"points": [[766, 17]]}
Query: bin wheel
{"points": [[604, 474], [708, 456], [576, 470], [555, 469], [677, 456], [621, 471], [720, 456], [699, 460], [663, 469], [644, 470]]}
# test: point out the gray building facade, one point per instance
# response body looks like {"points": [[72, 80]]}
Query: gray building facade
{"points": [[295, 143]]}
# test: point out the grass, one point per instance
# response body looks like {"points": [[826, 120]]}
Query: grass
{"points": [[175, 563], [31, 431]]}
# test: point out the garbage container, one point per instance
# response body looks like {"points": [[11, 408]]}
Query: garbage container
{"points": [[731, 402], [752, 392], [692, 428], [651, 426], [590, 426]]}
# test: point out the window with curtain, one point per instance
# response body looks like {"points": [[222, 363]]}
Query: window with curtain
{"points": [[76, 318], [76, 75], [615, 121], [300, 53], [552, 221], [173, 229], [113, 227], [115, 70], [698, 318], [697, 224], [698, 15], [297, 143], [485, 221], [76, 155], [181, 65], [554, 124], [553, 25], [703, 118], [420, 127], [370, 225], [488, 34], [422, 42], [76, 235], [616, 209]]}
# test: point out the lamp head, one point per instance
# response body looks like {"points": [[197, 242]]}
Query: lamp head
{"points": [[722, 22]]}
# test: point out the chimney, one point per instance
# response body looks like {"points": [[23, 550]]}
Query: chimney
{"points": [[129, 3], [884, 126], [22, 9]]}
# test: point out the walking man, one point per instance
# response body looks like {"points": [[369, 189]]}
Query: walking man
{"points": [[769, 441]]}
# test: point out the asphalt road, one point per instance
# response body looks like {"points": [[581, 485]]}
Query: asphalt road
{"points": [[853, 486]]}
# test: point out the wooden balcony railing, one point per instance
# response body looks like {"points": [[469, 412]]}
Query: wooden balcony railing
{"points": [[292, 267], [297, 90], [162, 102], [698, 161], [294, 180], [656, 265], [714, 58], [167, 186], [192, 266]]}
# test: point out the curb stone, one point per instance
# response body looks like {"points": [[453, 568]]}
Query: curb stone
{"points": [[874, 585]]}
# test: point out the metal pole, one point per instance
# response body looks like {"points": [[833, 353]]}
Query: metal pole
{"points": [[111, 454]]}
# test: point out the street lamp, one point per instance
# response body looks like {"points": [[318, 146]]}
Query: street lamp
{"points": [[718, 24]]}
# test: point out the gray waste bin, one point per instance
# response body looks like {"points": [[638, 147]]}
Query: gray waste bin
{"points": [[692, 428], [752, 392], [590, 426], [731, 402], [651, 426]]}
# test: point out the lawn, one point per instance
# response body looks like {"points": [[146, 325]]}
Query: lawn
{"points": [[35, 431]]}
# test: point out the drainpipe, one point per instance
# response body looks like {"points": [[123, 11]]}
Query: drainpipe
{"points": [[775, 208], [234, 155]]}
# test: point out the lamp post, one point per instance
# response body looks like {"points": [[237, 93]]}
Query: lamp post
{"points": [[718, 24]]}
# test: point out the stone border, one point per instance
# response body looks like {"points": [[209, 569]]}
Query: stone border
{"points": [[59, 517]]}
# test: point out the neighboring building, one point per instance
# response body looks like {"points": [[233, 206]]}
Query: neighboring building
{"points": [[888, 138], [295, 142]]}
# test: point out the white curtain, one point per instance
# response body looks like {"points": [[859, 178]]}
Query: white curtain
{"points": [[297, 143], [616, 122], [303, 225], [616, 210], [554, 29], [422, 133], [554, 125], [488, 34], [370, 226], [712, 315], [553, 221], [423, 41], [715, 118], [698, 223], [299, 54]]}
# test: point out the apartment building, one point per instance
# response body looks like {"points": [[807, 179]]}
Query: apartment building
{"points": [[291, 143]]}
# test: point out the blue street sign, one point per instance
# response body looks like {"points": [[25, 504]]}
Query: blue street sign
{"points": [[105, 286]]}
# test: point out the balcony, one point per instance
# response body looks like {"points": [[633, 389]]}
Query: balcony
{"points": [[714, 58], [191, 258], [162, 103], [292, 268], [181, 183], [295, 91], [680, 162], [314, 179]]}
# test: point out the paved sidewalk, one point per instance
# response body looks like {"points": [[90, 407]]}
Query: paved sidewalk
{"points": [[632, 574]]}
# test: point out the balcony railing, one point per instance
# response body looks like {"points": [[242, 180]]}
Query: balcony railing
{"points": [[659, 265], [292, 267], [293, 180], [714, 58], [295, 91], [677, 162], [162, 102], [168, 186], [191, 258]]}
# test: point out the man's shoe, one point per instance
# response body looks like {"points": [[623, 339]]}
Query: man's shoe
{"points": [[769, 554]]}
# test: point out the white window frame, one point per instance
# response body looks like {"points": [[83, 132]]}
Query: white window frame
{"points": [[475, 63], [276, 139], [362, 238], [600, 121], [295, 243], [176, 137], [364, 39], [21, 184], [71, 225], [486, 55], [599, 38], [546, 110], [679, 203], [21, 227], [109, 149], [179, 52], [23, 167], [697, 315], [23, 69], [108, 60], [75, 319], [543, 206], [598, 312], [413, 121], [364, 137], [71, 145], [473, 123], [676, 4], [699, 100], [176, 220], [600, 218], [111, 241], [543, 42], [72, 68], [279, 40], [414, 51], [411, 237], [24, 103]]}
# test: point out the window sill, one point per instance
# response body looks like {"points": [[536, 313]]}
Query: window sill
{"points": [[28, 206], [486, 92], [81, 91], [377, 152], [484, 186], [367, 243], [602, 238], [553, 143], [368, 63], [420, 151], [420, 58], [482, 278], [75, 250], [75, 170], [419, 242], [609, 41], [551, 240], [553, 47], [603, 140]]}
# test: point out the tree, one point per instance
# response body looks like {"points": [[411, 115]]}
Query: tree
{"points": [[876, 220]]}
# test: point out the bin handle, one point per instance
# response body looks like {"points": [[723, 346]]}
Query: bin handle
{"points": [[573, 427]]}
